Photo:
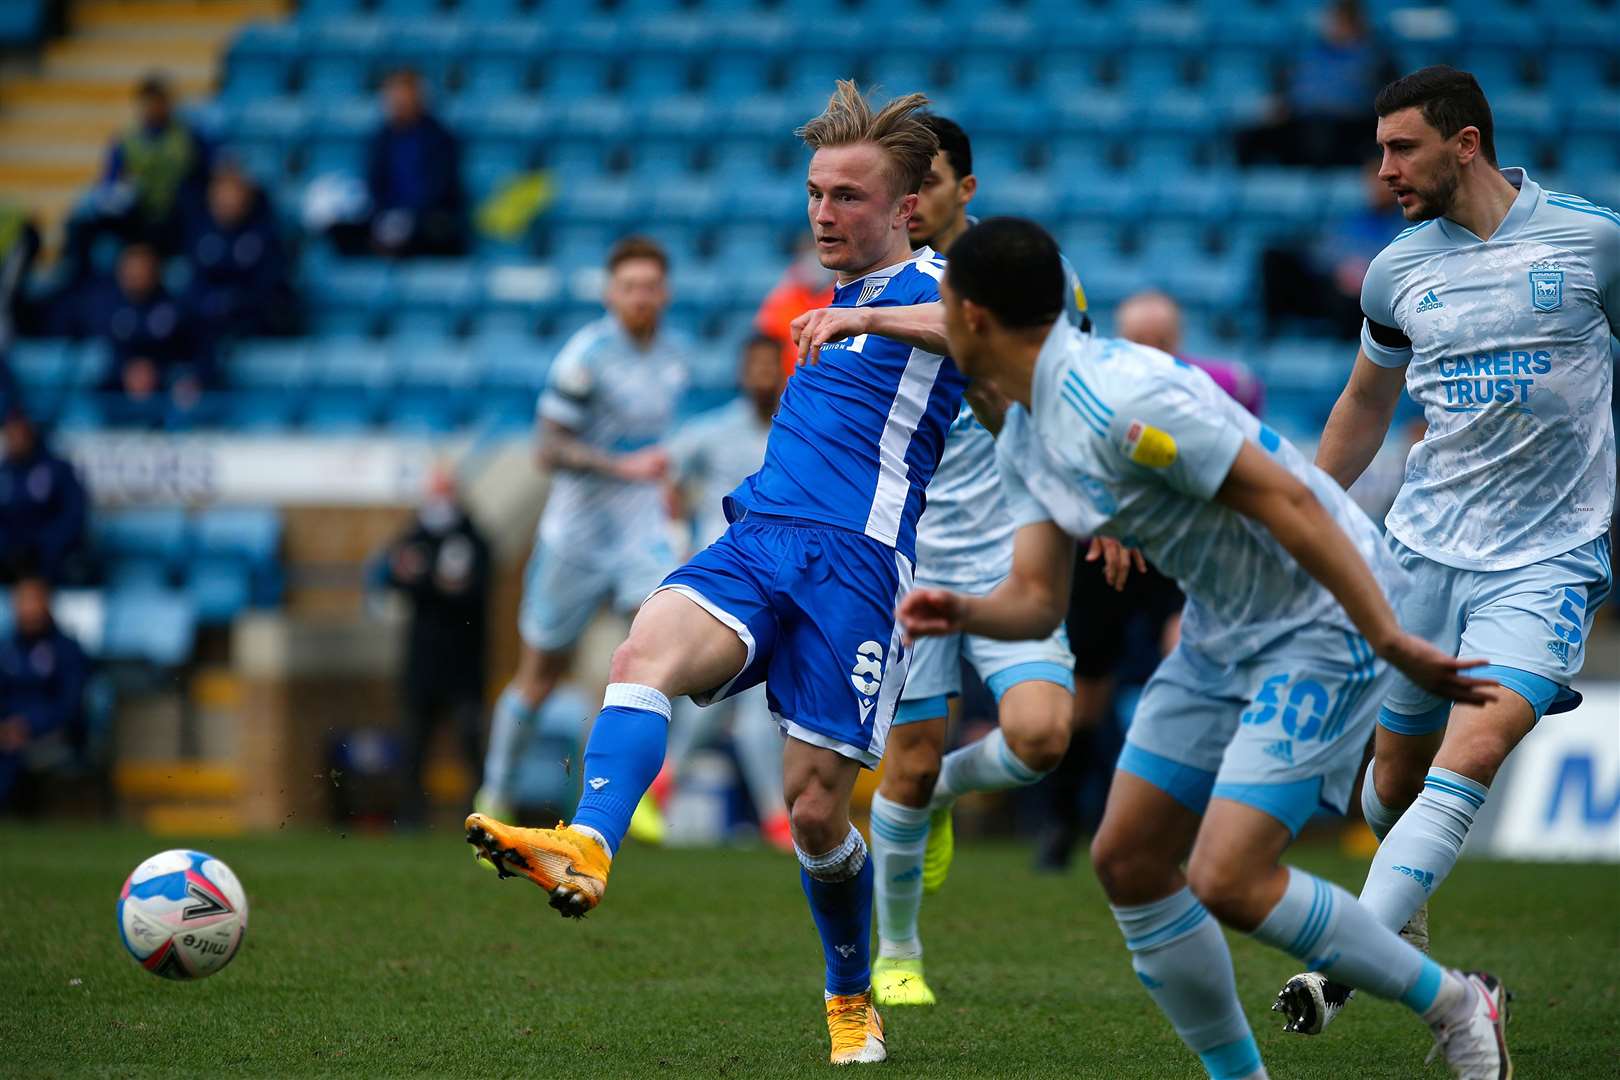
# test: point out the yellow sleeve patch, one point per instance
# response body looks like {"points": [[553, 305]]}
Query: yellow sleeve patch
{"points": [[1147, 445]]}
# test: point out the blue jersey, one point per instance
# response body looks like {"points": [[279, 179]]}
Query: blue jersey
{"points": [[859, 434]]}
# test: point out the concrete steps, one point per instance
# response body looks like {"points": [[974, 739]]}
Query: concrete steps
{"points": [[57, 118]]}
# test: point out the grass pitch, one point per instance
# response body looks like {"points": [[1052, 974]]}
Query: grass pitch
{"points": [[398, 957]]}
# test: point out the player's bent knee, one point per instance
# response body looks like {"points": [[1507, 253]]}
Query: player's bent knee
{"points": [[1129, 873], [819, 822], [1398, 782], [1040, 745], [1227, 890]]}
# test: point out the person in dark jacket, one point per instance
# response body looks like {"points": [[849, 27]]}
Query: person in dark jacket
{"points": [[42, 679], [442, 566], [161, 359], [42, 503], [241, 280], [413, 172]]}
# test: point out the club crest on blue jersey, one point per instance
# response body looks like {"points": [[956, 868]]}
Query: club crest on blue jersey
{"points": [[1547, 289], [871, 290]]}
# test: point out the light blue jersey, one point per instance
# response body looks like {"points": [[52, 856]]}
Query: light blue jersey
{"points": [[617, 397], [1509, 357], [965, 537], [964, 540], [1126, 441], [713, 453]]}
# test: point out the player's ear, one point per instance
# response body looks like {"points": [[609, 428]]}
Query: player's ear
{"points": [[907, 207], [1467, 144], [966, 190]]}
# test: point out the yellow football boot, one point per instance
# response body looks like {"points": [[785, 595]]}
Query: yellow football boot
{"points": [[899, 982], [647, 823], [570, 865], [941, 847], [856, 1029]]}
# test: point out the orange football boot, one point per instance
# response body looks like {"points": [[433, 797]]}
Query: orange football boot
{"points": [[570, 865], [856, 1029]]}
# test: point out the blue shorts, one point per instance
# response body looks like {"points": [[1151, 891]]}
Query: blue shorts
{"points": [[1530, 623], [814, 605], [562, 591], [1282, 731], [936, 669]]}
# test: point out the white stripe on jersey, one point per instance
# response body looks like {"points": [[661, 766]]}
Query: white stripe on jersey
{"points": [[894, 482]]}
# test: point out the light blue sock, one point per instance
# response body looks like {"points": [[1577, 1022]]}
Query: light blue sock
{"points": [[1380, 818], [839, 888], [1322, 925], [508, 729], [1422, 848], [986, 764], [1180, 955], [623, 756], [899, 838]]}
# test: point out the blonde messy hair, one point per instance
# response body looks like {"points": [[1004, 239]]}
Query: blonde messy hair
{"points": [[896, 129]]}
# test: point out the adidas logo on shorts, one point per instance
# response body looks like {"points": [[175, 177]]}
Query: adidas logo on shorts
{"points": [[1282, 750]]}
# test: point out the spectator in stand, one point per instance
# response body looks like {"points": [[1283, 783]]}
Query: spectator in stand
{"points": [[42, 503], [152, 184], [1316, 283], [161, 360], [19, 244], [441, 564], [1321, 121], [804, 286], [241, 283], [42, 679], [413, 173]]}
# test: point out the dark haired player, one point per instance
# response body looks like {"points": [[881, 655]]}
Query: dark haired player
{"points": [[1260, 715], [1494, 312]]}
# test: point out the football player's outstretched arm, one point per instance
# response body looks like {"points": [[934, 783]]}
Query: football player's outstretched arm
{"points": [[562, 448], [1027, 606], [921, 326], [1259, 488], [1360, 419]]}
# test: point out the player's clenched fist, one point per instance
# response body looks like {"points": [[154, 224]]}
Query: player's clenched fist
{"points": [[931, 613], [816, 328]]}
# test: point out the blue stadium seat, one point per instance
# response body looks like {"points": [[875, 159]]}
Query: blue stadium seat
{"points": [[218, 589], [1285, 195], [356, 284], [341, 413], [273, 365], [357, 367], [514, 362], [424, 412], [272, 119], [443, 284], [314, 10], [735, 75], [157, 535], [263, 410], [156, 626]]}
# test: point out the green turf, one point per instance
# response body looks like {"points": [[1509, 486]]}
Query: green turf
{"points": [[399, 957]]}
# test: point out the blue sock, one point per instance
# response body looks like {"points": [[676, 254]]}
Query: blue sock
{"points": [[839, 888], [623, 756]]}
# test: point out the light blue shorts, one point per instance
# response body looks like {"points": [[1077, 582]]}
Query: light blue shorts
{"points": [[936, 669], [1530, 623], [1282, 731], [562, 593]]}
